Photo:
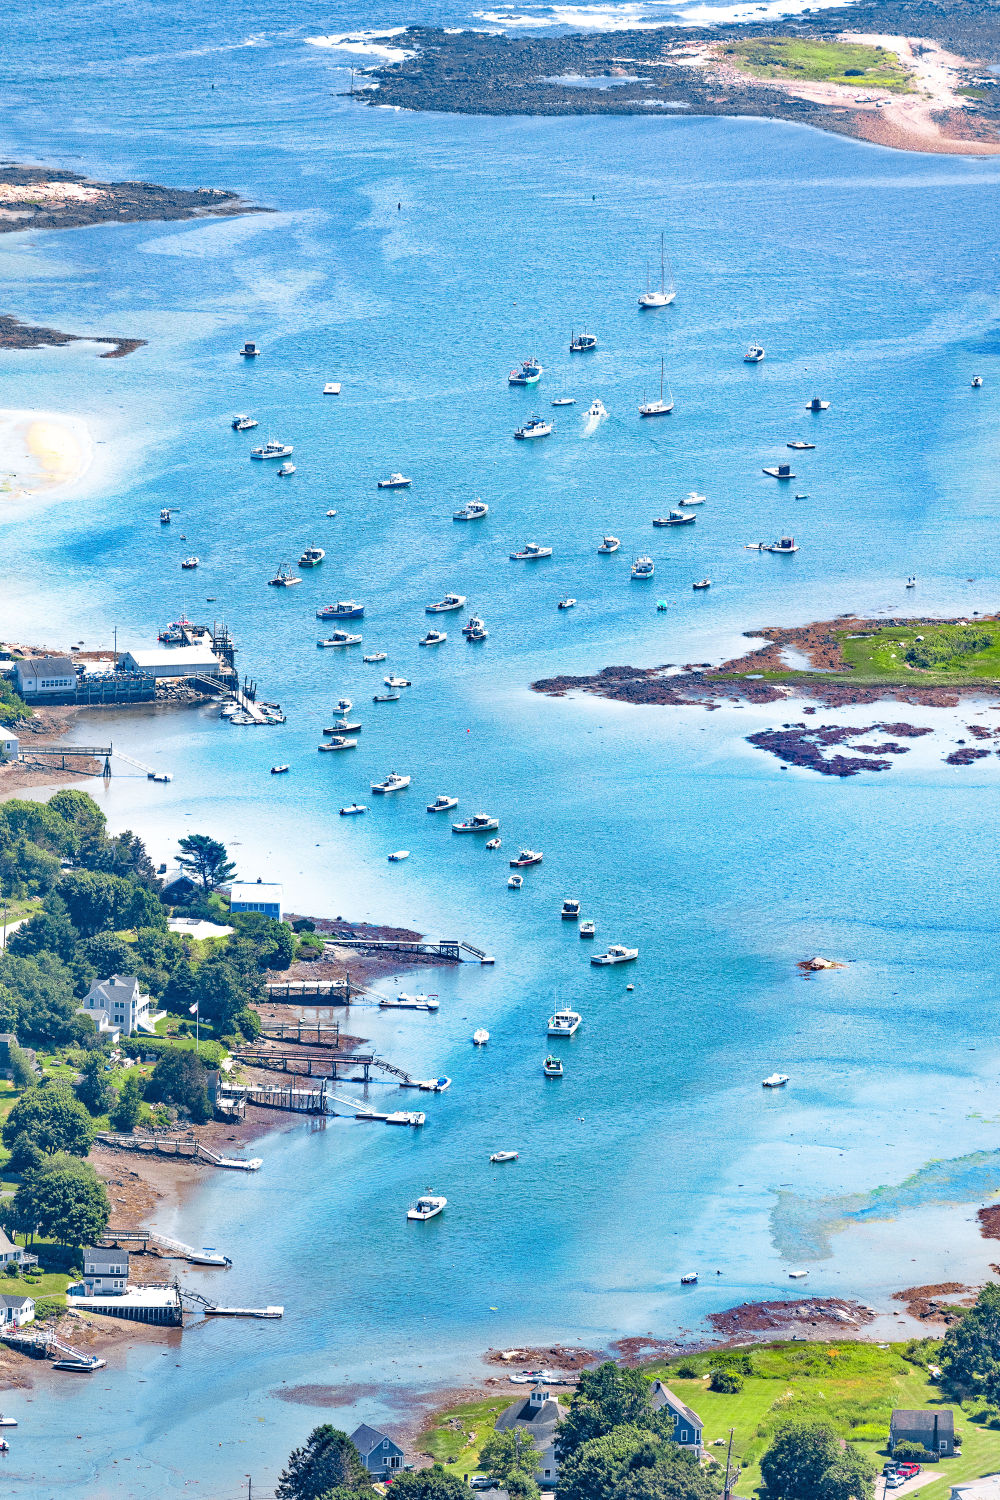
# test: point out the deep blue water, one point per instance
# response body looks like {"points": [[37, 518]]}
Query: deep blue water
{"points": [[868, 276]]}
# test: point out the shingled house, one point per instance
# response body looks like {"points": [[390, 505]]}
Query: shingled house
{"points": [[687, 1423], [934, 1430], [539, 1415]]}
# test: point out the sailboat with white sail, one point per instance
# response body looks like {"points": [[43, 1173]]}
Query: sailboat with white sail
{"points": [[663, 297]]}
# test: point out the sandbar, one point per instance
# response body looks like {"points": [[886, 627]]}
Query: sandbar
{"points": [[41, 452]]}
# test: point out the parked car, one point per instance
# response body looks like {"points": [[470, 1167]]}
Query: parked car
{"points": [[889, 1467], [908, 1470], [481, 1482], [894, 1481]]}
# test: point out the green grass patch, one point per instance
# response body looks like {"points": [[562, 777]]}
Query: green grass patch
{"points": [[918, 651], [456, 1436], [818, 61]]}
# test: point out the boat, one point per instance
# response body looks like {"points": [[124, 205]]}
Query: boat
{"points": [[911, 582], [597, 409], [190, 562], [427, 1207], [754, 354], [786, 544], [504, 1156], [344, 609], [279, 770], [286, 469], [243, 423], [563, 401], [570, 909], [478, 823], [345, 705], [675, 518], [515, 882], [332, 388], [493, 843], [581, 343], [400, 854], [331, 512], [609, 544], [977, 381], [534, 427], [529, 372], [311, 557], [283, 578], [392, 783], [397, 682], [817, 405], [530, 552], [662, 298], [374, 656], [250, 350], [81, 1366], [587, 929], [341, 638], [343, 726], [800, 447], [689, 1278], [525, 858], [797, 1275], [395, 482], [564, 1023], [662, 606], [804, 496], [566, 604], [208, 1256], [272, 449], [409, 1002], [449, 602], [616, 954], [338, 742], [658, 408], [433, 638], [643, 567], [703, 583], [475, 630], [480, 1037], [442, 804], [693, 498], [355, 807], [473, 510], [174, 635], [392, 697], [552, 1067], [164, 518], [776, 1081], [779, 471]]}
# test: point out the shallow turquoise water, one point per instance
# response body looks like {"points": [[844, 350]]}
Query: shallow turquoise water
{"points": [[868, 277]]}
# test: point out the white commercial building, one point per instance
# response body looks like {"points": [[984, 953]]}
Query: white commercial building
{"points": [[172, 661], [44, 676], [116, 1005]]}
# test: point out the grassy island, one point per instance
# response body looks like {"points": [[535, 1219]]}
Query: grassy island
{"points": [[818, 60]]}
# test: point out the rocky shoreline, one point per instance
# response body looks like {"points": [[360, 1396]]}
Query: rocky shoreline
{"points": [[51, 198], [17, 335]]}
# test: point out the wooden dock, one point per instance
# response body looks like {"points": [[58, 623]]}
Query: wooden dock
{"points": [[448, 949], [334, 991], [330, 1067], [304, 1033], [184, 1147]]}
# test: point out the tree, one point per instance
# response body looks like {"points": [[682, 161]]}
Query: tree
{"points": [[729, 1382], [64, 1200], [125, 1115], [522, 1487], [970, 1355], [52, 1119], [506, 1453], [46, 1008], [94, 1090], [179, 1079], [850, 1478], [808, 1461], [22, 1073], [327, 1460], [428, 1484], [605, 1398], [207, 860], [49, 931], [274, 941], [108, 954], [632, 1462], [225, 988], [84, 819]]}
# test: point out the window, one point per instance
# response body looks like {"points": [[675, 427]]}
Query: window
{"points": [[684, 1435], [943, 1445]]}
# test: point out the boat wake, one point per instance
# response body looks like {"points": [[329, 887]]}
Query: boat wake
{"points": [[593, 419]]}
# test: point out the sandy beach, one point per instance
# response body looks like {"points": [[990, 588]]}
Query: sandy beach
{"points": [[41, 452]]}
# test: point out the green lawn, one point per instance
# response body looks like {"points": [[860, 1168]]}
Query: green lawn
{"points": [[820, 61], [458, 1434], [921, 650]]}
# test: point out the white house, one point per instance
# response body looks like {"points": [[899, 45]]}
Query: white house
{"points": [[44, 676], [117, 1005], [256, 895], [16, 1311], [105, 1272], [687, 1423], [9, 1252], [171, 661], [9, 745]]}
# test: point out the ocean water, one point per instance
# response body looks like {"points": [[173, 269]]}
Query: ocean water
{"points": [[415, 259]]}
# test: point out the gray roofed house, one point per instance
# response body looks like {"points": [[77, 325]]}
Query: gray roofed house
{"points": [[43, 676], [687, 1423], [9, 1251], [16, 1310], [105, 1272], [379, 1454], [934, 1429], [540, 1415]]}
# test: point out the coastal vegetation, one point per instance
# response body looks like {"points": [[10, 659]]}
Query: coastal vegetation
{"points": [[819, 60], [947, 649]]}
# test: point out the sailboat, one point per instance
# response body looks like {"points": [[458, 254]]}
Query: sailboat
{"points": [[657, 408], [662, 298]]}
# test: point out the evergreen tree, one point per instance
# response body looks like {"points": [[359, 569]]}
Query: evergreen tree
{"points": [[125, 1115], [328, 1460], [970, 1355], [63, 1200], [206, 860], [605, 1398], [94, 1090]]}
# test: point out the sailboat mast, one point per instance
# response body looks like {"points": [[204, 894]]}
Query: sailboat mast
{"points": [[661, 380], [662, 287]]}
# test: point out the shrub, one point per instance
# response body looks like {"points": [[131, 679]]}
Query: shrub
{"points": [[911, 1452], [687, 1371], [729, 1382], [48, 1307]]}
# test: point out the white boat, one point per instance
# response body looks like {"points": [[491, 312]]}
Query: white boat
{"points": [[475, 630], [374, 656], [332, 388], [279, 770], [338, 742], [190, 562], [797, 1275], [529, 372], [427, 1207], [609, 544], [563, 401], [400, 854], [689, 1278], [587, 929], [693, 498], [817, 405], [776, 1081], [515, 882], [643, 567], [911, 582], [285, 470], [570, 909], [564, 1023], [525, 858], [506, 1156], [473, 510], [392, 783], [581, 343], [243, 423], [397, 682], [449, 602], [616, 954], [552, 1067], [597, 409], [331, 512], [977, 381], [786, 544], [566, 604], [353, 810], [480, 1037], [442, 804], [250, 350], [390, 697], [409, 1002], [534, 427], [341, 638], [754, 354], [311, 557], [433, 638], [164, 517], [530, 552], [800, 447], [8, 1421], [395, 482], [658, 408], [493, 843], [272, 449], [345, 705], [703, 583], [675, 518], [478, 823], [209, 1256], [344, 609], [662, 298]]}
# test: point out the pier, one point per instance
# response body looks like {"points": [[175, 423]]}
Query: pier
{"points": [[334, 991], [316, 1102], [322, 1067], [448, 949], [43, 1344], [141, 1240], [213, 1310], [183, 1147], [304, 1033]]}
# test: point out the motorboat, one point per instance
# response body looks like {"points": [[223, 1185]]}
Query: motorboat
{"points": [[911, 582], [499, 1156], [395, 482], [570, 909], [478, 823], [390, 697], [776, 1081], [493, 843], [344, 609], [977, 381], [399, 855], [353, 810], [581, 343], [534, 427], [597, 409], [566, 604], [271, 449], [785, 544], [338, 742], [341, 638], [564, 1023], [779, 471], [279, 770], [332, 388], [525, 858], [208, 1256], [12, 1421], [616, 954], [164, 517], [529, 552], [661, 606], [392, 783], [817, 405], [659, 408], [331, 512], [311, 557], [243, 423], [587, 929], [552, 1067], [343, 726], [643, 567], [529, 372], [689, 1278], [480, 1036], [397, 682], [703, 583], [442, 804], [374, 656], [345, 705], [285, 470], [563, 401], [284, 578], [190, 562], [250, 350], [475, 630], [449, 602], [473, 510], [797, 1275], [409, 1002], [427, 1207], [754, 354], [693, 498], [515, 882], [800, 447], [675, 518], [650, 297], [433, 638], [609, 544]]}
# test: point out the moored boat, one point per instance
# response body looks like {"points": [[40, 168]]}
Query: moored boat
{"points": [[530, 552], [587, 929], [243, 423], [427, 1207], [609, 544], [433, 638], [478, 823], [344, 609], [775, 1081], [190, 562], [570, 909], [311, 557], [353, 810], [659, 408], [675, 518], [643, 567], [475, 630], [581, 343], [272, 449], [786, 544], [703, 583], [515, 882], [285, 470], [341, 638], [338, 742], [395, 482], [473, 510], [534, 427], [250, 350], [392, 783], [754, 354], [566, 604], [480, 1036], [651, 298], [552, 1067], [529, 372], [564, 1023], [525, 858], [442, 803], [442, 606], [503, 1156], [616, 954]]}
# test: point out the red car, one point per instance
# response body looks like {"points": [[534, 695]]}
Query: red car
{"points": [[908, 1470]]}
